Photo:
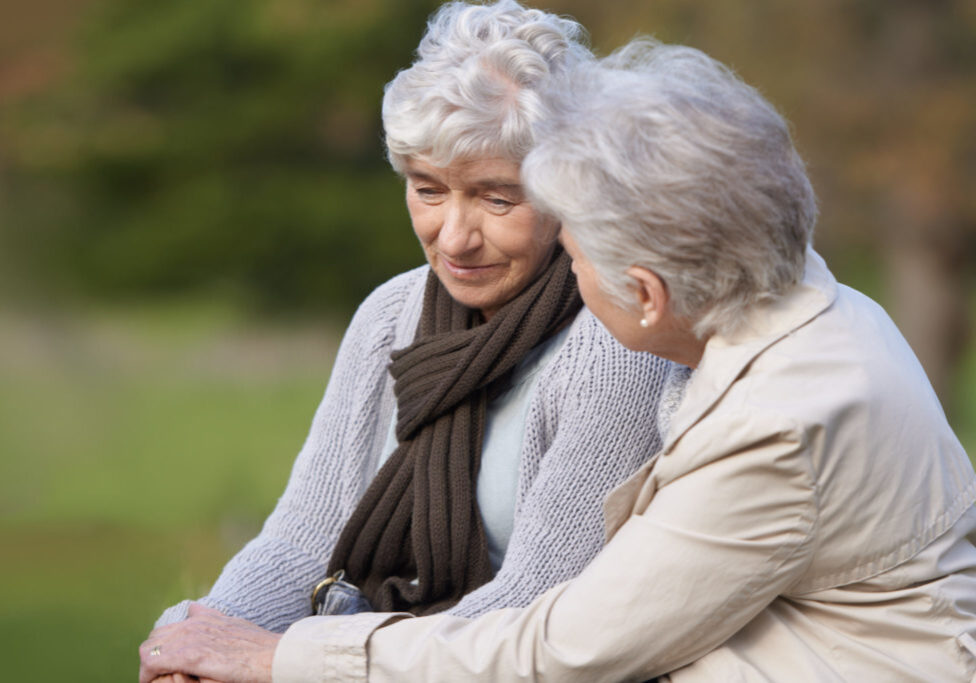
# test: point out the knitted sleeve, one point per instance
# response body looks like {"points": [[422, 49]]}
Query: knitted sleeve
{"points": [[591, 424], [270, 580]]}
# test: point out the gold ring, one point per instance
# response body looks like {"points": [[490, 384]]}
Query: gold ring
{"points": [[155, 652]]}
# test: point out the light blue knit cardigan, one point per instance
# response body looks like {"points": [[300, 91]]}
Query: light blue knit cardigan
{"points": [[591, 423]]}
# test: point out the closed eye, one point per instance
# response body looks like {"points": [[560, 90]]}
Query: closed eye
{"points": [[499, 205], [428, 193]]}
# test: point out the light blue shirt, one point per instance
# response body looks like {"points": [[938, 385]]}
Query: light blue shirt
{"points": [[502, 447]]}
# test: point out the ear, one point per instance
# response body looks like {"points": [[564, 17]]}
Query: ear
{"points": [[651, 292]]}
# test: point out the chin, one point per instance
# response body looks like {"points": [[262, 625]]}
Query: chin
{"points": [[471, 299]]}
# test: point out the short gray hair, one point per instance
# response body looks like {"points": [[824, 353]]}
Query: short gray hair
{"points": [[475, 88], [659, 156]]}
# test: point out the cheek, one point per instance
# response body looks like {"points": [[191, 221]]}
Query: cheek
{"points": [[590, 290], [591, 296], [534, 258], [423, 221], [526, 241]]}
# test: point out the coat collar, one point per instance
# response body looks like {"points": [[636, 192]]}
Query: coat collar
{"points": [[727, 356]]}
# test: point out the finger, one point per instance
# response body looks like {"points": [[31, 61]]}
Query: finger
{"points": [[151, 669]]}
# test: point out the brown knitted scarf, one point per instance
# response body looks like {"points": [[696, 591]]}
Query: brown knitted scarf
{"points": [[415, 541]]}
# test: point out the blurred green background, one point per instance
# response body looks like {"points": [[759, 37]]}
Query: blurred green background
{"points": [[193, 198]]}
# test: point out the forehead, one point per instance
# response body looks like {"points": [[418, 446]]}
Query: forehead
{"points": [[481, 172]]}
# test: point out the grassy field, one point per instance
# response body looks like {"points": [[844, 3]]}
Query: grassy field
{"points": [[140, 449]]}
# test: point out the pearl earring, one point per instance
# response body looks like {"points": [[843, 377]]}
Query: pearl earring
{"points": [[644, 323]]}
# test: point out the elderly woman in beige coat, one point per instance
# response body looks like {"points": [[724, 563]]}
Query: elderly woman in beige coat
{"points": [[810, 516]]}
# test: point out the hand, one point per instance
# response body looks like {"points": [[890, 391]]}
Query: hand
{"points": [[209, 645]]}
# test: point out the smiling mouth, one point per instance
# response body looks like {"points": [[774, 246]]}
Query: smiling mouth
{"points": [[463, 271]]}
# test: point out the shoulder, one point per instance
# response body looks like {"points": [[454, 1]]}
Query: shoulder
{"points": [[387, 300], [389, 309], [594, 379], [848, 365], [827, 408], [591, 353], [382, 319]]}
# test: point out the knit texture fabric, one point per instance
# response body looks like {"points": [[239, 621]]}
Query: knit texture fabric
{"points": [[590, 424], [672, 394], [415, 541]]}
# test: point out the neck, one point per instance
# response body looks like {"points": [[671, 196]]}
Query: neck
{"points": [[674, 340], [690, 351]]}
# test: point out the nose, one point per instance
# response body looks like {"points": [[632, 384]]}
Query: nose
{"points": [[460, 232]]}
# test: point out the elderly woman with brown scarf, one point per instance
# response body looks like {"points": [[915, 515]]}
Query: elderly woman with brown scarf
{"points": [[458, 459]]}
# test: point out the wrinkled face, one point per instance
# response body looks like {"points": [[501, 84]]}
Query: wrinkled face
{"points": [[481, 236]]}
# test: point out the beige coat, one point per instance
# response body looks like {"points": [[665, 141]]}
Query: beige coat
{"points": [[807, 520]]}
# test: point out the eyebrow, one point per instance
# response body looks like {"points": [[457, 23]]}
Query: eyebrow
{"points": [[500, 184], [489, 183]]}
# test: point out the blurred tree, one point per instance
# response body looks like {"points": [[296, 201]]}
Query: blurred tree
{"points": [[222, 144], [236, 143], [920, 166]]}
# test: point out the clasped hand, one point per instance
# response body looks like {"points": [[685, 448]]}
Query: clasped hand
{"points": [[208, 646]]}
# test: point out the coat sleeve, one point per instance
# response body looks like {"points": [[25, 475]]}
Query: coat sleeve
{"points": [[712, 548], [269, 581]]}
